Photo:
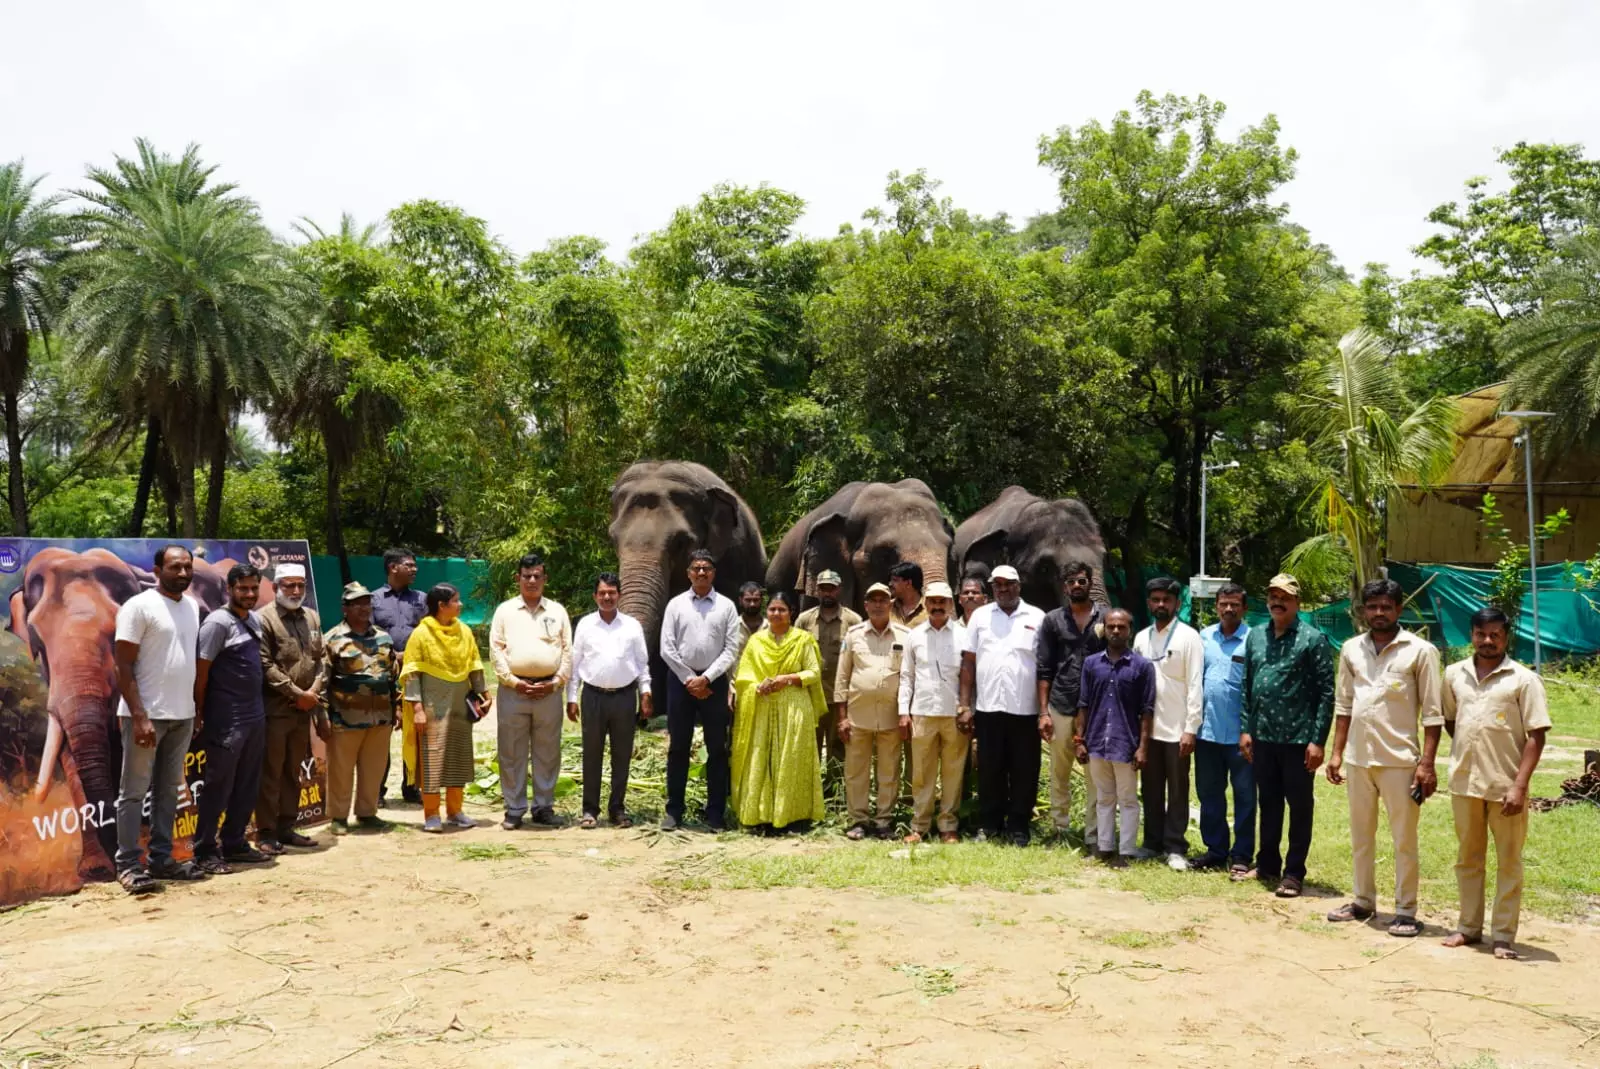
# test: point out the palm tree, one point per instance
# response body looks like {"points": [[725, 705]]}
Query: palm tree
{"points": [[33, 240], [1358, 420], [181, 311], [339, 272], [1555, 353]]}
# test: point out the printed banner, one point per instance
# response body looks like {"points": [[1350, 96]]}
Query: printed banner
{"points": [[60, 746]]}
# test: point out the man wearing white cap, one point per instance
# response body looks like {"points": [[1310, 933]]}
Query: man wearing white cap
{"points": [[291, 659], [1000, 700], [930, 676], [827, 622], [865, 695]]}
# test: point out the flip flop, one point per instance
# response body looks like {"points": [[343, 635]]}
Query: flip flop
{"points": [[212, 865], [1241, 873], [587, 821], [1405, 927]]}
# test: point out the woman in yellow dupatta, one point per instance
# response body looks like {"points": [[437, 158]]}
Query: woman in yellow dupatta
{"points": [[777, 780], [442, 669]]}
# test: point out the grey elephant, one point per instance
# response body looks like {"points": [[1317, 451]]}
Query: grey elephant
{"points": [[1036, 537], [860, 532], [660, 511]]}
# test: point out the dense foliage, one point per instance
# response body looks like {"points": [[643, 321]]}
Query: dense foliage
{"points": [[414, 381]]}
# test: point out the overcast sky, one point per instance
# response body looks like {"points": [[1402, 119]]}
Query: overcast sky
{"points": [[597, 118]]}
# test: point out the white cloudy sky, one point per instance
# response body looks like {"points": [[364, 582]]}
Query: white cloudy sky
{"points": [[602, 117]]}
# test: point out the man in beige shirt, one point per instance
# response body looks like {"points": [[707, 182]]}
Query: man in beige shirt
{"points": [[866, 697], [827, 623], [1497, 716], [1388, 682], [530, 643]]}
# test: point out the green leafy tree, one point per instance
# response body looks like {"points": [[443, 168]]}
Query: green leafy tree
{"points": [[181, 310], [946, 356], [1193, 278], [1354, 411], [33, 241], [1508, 586], [1555, 353]]}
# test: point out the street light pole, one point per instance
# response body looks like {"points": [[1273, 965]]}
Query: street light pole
{"points": [[1525, 440], [1204, 470]]}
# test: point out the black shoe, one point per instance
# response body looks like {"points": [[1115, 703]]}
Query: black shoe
{"points": [[669, 822], [716, 827], [1019, 838], [374, 823], [246, 855], [883, 831], [546, 818], [177, 870], [511, 823], [294, 838], [411, 794]]}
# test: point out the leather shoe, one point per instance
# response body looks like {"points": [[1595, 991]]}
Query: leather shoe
{"points": [[294, 838]]}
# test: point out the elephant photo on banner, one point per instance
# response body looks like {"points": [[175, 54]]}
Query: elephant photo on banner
{"points": [[60, 749]]}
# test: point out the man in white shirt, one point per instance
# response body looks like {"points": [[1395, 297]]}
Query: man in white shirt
{"points": [[1180, 659], [1000, 701], [156, 636], [530, 644], [609, 688], [1388, 683], [930, 680], [700, 644]]}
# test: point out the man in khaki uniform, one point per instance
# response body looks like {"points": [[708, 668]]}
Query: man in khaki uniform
{"points": [[865, 697], [827, 623], [1388, 682], [530, 643], [291, 661], [930, 680], [1497, 716]]}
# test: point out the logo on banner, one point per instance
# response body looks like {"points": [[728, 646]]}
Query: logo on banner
{"points": [[10, 559]]}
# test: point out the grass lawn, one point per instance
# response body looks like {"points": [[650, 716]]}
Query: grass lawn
{"points": [[1562, 870]]}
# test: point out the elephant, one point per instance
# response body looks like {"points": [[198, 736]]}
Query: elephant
{"points": [[661, 510], [66, 610], [861, 532], [1036, 537]]}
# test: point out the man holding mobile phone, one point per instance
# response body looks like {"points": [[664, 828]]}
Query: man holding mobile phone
{"points": [[1388, 683]]}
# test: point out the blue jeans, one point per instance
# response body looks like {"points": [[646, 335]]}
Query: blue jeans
{"points": [[157, 771], [1217, 765]]}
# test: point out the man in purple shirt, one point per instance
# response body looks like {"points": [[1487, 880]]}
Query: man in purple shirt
{"points": [[1116, 710], [398, 608]]}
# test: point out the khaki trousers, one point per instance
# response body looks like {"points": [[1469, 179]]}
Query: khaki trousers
{"points": [[1063, 762], [938, 753], [1476, 819], [357, 758], [1365, 786], [863, 750]]}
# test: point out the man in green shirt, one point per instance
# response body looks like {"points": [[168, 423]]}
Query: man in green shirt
{"points": [[1287, 710]]}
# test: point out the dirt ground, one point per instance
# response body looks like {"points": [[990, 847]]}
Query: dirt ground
{"points": [[585, 948]]}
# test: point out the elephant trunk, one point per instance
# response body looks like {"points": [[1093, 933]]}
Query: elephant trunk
{"points": [[934, 565], [88, 719], [644, 592]]}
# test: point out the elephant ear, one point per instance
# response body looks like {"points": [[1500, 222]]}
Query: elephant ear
{"points": [[722, 527], [826, 548], [989, 550]]}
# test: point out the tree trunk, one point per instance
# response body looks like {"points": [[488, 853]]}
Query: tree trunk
{"points": [[171, 492], [218, 475], [336, 523], [186, 502], [383, 510], [147, 476], [16, 489]]}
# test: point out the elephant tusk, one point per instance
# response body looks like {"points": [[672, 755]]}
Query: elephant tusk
{"points": [[47, 762]]}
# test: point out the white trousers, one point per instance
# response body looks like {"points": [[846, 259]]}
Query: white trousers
{"points": [[1116, 790]]}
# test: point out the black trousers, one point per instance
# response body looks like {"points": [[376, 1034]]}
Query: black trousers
{"points": [[1008, 771], [605, 716], [232, 782], [683, 709], [1281, 777], [1165, 786]]}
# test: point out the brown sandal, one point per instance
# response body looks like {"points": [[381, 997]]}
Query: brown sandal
{"points": [[587, 821], [1289, 887]]}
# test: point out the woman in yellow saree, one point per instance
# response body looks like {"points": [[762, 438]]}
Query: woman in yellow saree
{"points": [[777, 780]]}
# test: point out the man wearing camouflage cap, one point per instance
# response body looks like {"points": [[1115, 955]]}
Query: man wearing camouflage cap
{"points": [[362, 666], [827, 622]]}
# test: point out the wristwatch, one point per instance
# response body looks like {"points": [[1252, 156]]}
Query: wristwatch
{"points": [[963, 710]]}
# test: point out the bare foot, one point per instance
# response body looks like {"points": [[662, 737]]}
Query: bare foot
{"points": [[1504, 952], [1460, 939]]}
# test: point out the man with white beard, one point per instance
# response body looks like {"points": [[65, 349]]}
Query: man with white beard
{"points": [[291, 658]]}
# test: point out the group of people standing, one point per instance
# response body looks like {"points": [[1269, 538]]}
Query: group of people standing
{"points": [[252, 685], [773, 690]]}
